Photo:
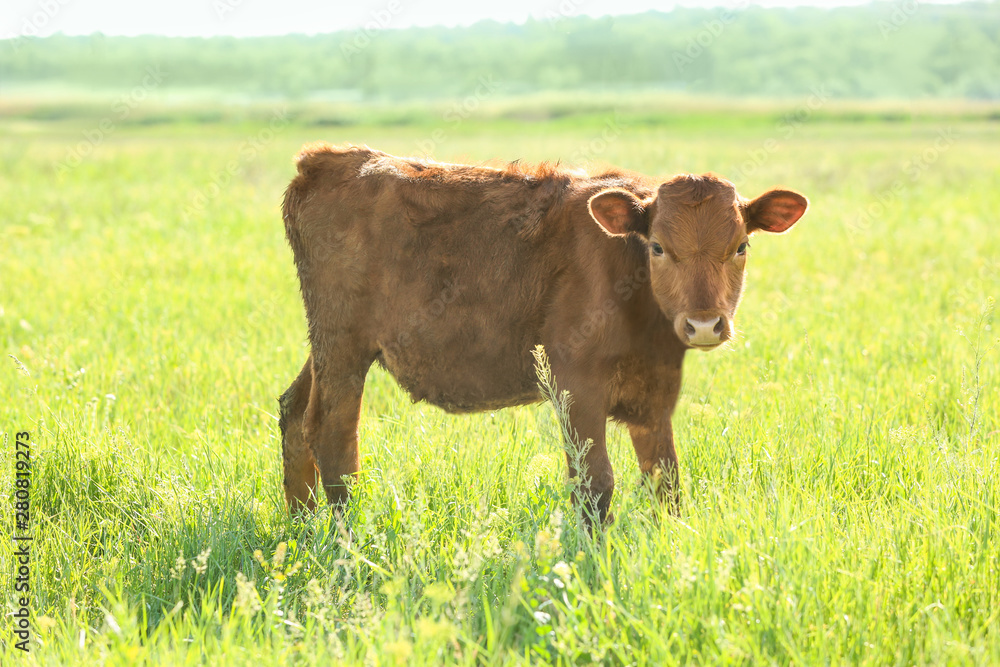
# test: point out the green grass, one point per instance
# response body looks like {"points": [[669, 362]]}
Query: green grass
{"points": [[840, 508]]}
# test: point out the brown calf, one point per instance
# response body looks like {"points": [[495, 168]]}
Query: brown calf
{"points": [[450, 275]]}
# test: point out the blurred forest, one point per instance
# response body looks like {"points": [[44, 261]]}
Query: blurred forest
{"points": [[884, 50]]}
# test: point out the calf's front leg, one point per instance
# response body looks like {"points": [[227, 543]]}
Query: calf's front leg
{"points": [[589, 461], [654, 447]]}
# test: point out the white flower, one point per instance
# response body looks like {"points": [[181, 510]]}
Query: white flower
{"points": [[247, 598], [200, 564], [177, 571]]}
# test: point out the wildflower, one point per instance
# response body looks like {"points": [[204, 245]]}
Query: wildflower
{"points": [[177, 571], [725, 569], [539, 466], [315, 596], [279, 554], [399, 649], [200, 564], [547, 544], [903, 435], [687, 572], [247, 598]]}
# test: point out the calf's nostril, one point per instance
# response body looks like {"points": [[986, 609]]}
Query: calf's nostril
{"points": [[689, 329], [719, 326]]}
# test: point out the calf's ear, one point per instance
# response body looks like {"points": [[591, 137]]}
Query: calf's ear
{"points": [[619, 212], [774, 211]]}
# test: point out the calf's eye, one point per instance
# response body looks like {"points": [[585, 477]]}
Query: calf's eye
{"points": [[742, 250], [656, 249]]}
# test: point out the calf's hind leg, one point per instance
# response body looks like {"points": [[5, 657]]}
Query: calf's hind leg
{"points": [[330, 424], [301, 476]]}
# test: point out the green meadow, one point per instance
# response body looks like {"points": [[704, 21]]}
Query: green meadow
{"points": [[839, 460]]}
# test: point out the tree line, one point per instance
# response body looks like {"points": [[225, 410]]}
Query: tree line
{"points": [[901, 50]]}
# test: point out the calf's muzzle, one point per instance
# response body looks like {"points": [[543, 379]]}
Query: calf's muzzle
{"points": [[703, 329]]}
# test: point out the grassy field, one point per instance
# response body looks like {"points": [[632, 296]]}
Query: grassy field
{"points": [[839, 461]]}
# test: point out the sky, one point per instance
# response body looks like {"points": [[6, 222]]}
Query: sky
{"points": [[241, 18]]}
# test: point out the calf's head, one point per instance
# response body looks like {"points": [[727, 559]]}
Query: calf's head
{"points": [[697, 231]]}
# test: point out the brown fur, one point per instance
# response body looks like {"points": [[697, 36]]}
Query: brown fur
{"points": [[449, 275]]}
